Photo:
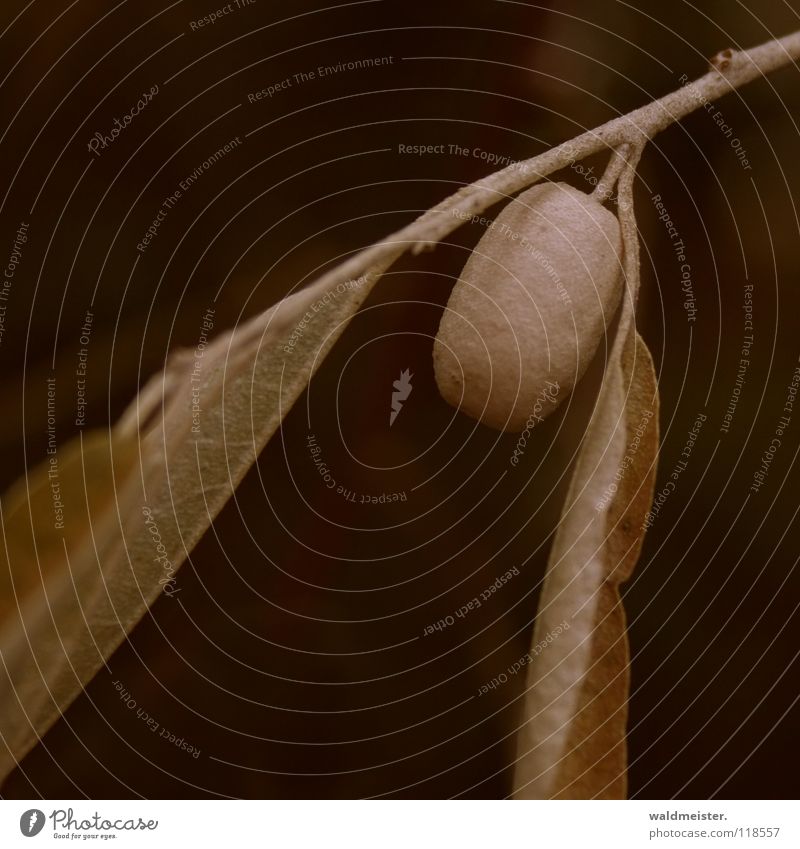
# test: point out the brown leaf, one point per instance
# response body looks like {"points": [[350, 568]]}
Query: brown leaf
{"points": [[572, 743], [137, 500]]}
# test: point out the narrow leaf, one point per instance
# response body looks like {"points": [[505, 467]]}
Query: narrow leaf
{"points": [[572, 742], [136, 501]]}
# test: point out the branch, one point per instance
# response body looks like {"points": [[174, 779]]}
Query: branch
{"points": [[729, 71]]}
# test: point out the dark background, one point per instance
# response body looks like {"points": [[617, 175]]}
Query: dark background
{"points": [[293, 656]]}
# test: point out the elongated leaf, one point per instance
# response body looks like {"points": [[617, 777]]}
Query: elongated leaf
{"points": [[135, 501], [572, 744]]}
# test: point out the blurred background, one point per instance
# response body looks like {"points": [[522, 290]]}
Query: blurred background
{"points": [[295, 657]]}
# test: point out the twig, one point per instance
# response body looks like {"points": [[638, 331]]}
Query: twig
{"points": [[619, 158], [729, 71]]}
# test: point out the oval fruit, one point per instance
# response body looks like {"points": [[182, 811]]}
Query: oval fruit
{"points": [[530, 307]]}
